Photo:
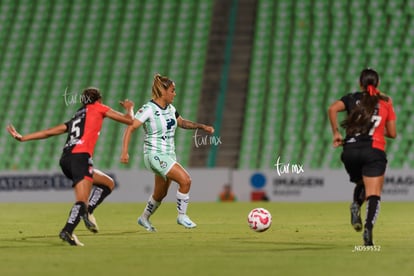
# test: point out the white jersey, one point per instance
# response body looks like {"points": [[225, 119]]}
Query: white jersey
{"points": [[159, 126]]}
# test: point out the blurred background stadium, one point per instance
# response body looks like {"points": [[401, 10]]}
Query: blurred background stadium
{"points": [[262, 71]]}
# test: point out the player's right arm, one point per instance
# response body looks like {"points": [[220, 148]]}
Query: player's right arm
{"points": [[127, 137], [42, 134], [333, 110]]}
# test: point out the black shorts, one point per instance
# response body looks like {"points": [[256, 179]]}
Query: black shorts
{"points": [[77, 166], [363, 161]]}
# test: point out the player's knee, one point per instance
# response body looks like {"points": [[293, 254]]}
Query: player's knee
{"points": [[108, 182], [186, 182]]}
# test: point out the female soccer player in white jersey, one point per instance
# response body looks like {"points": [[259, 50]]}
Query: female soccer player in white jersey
{"points": [[160, 120]]}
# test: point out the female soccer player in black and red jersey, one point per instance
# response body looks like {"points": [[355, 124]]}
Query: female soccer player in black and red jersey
{"points": [[370, 118], [76, 160]]}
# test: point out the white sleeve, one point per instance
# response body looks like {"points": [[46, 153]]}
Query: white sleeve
{"points": [[143, 113]]}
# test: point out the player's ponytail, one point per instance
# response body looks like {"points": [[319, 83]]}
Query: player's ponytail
{"points": [[160, 83], [359, 120]]}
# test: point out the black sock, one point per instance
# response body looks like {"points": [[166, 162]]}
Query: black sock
{"points": [[75, 214], [359, 194], [99, 193], [373, 208]]}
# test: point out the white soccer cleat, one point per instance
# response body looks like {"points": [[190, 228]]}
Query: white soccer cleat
{"points": [[185, 221], [90, 223], [146, 224], [92, 219], [77, 241], [70, 238]]}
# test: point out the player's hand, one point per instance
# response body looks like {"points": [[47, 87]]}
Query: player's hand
{"points": [[337, 140], [127, 104], [13, 132], [124, 158], [208, 129]]}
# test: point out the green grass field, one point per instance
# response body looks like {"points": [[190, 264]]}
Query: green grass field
{"points": [[305, 239]]}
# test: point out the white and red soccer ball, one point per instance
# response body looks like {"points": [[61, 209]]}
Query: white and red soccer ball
{"points": [[259, 219]]}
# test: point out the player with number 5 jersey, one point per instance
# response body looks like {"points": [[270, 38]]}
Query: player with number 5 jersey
{"points": [[160, 120], [83, 130], [370, 118]]}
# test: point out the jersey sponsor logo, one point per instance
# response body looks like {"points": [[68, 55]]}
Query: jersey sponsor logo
{"points": [[165, 137], [73, 142]]}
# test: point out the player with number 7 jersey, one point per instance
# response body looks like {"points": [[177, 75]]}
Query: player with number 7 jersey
{"points": [[370, 118], [383, 112]]}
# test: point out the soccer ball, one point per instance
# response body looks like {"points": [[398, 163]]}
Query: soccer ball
{"points": [[259, 219]]}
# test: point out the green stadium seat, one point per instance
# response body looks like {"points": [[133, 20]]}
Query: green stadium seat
{"points": [[118, 46]]}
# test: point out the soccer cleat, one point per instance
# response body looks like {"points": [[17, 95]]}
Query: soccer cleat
{"points": [[368, 237], [90, 223], [185, 221], [356, 221], [70, 238], [146, 224]]}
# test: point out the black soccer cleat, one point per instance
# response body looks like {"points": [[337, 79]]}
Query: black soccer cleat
{"points": [[368, 237], [356, 221], [70, 238]]}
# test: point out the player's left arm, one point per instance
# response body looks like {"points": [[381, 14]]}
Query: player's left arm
{"points": [[126, 118], [390, 125], [187, 124], [390, 129]]}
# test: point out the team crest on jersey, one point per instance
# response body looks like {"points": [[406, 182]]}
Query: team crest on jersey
{"points": [[170, 123], [143, 108], [163, 164]]}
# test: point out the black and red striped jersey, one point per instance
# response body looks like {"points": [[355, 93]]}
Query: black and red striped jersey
{"points": [[384, 112], [84, 128]]}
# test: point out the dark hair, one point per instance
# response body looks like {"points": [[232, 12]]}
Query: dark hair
{"points": [[90, 95], [359, 120]]}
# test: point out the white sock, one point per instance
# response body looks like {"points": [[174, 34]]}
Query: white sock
{"points": [[151, 207], [182, 203]]}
